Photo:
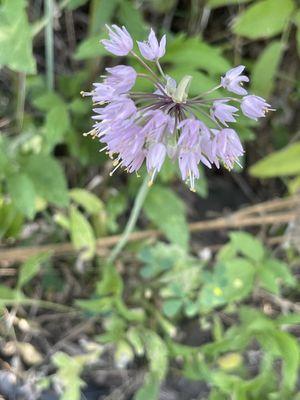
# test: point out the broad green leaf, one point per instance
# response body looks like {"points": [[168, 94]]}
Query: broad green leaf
{"points": [[157, 354], [89, 201], [102, 12], [265, 69], [73, 4], [57, 125], [22, 193], [166, 210], [48, 178], [11, 220], [223, 3], [30, 268], [82, 234], [289, 349], [171, 307], [47, 101], [247, 245], [239, 275], [196, 54], [272, 273], [130, 16], [110, 283], [6, 293], [280, 163], [289, 319], [15, 37], [90, 48], [263, 19]]}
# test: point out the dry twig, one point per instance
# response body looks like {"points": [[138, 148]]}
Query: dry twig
{"points": [[278, 211]]}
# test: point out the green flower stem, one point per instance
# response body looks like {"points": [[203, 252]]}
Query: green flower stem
{"points": [[138, 203], [49, 10]]}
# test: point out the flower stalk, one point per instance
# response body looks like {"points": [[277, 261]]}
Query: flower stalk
{"points": [[135, 212]]}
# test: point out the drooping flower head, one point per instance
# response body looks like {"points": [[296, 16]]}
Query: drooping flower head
{"points": [[137, 127]]}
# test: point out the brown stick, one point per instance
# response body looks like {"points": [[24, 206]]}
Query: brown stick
{"points": [[239, 219]]}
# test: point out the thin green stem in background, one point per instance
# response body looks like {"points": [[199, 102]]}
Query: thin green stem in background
{"points": [[49, 9], [21, 92], [135, 212]]}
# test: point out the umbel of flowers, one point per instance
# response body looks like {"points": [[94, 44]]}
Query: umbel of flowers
{"points": [[138, 127]]}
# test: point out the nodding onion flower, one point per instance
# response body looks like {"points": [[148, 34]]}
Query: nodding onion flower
{"points": [[138, 127]]}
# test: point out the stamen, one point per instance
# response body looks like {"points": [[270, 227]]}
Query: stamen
{"points": [[114, 170]]}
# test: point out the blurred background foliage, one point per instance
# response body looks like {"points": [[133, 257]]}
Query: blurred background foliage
{"points": [[176, 318]]}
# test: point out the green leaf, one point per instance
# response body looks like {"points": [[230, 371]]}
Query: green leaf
{"points": [[22, 193], [73, 4], [280, 163], [47, 101], [48, 178], [289, 319], [82, 234], [90, 48], [273, 272], [247, 245], [6, 293], [171, 307], [111, 282], [90, 202], [289, 349], [157, 354], [263, 19], [166, 210], [130, 16], [15, 37], [196, 54], [30, 268], [102, 12], [265, 69], [11, 220], [239, 275], [57, 124]]}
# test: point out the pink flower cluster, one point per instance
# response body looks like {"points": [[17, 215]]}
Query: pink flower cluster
{"points": [[138, 127]]}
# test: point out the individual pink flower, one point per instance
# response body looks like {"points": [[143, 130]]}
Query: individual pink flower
{"points": [[152, 50], [120, 42], [254, 107], [223, 112], [233, 80], [155, 158], [122, 78]]}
